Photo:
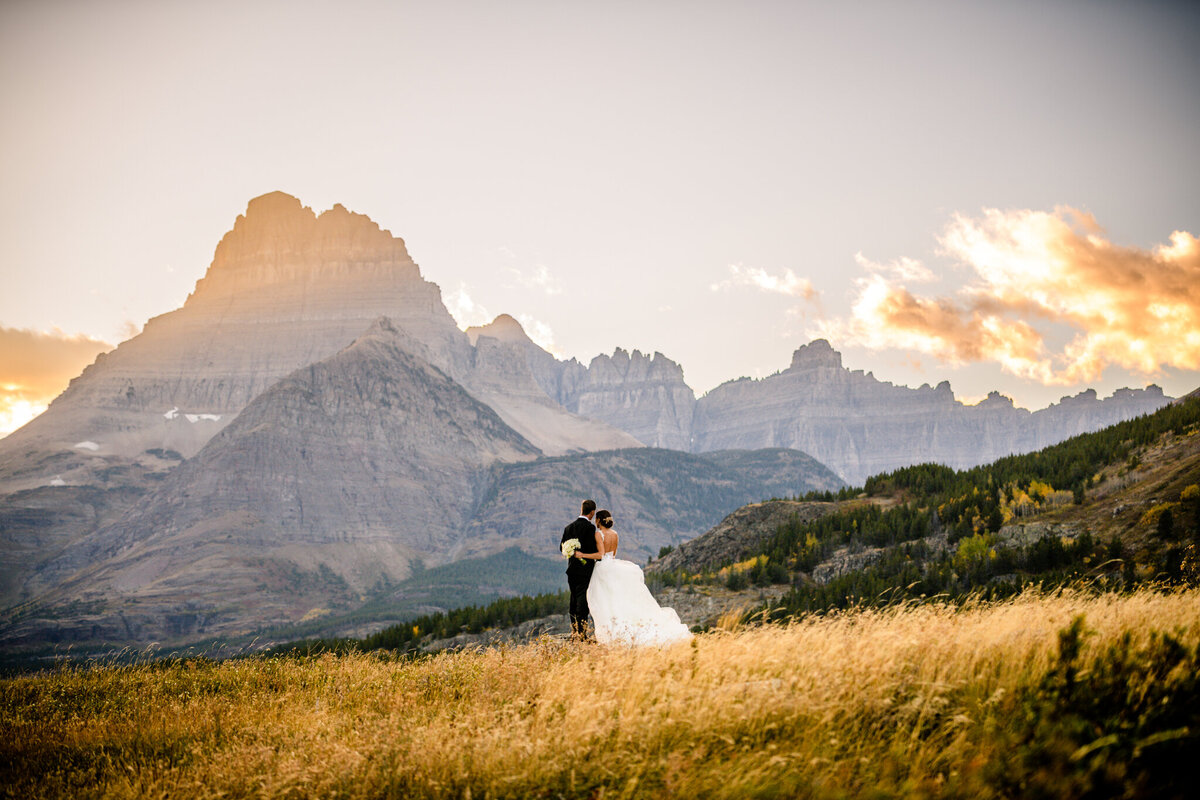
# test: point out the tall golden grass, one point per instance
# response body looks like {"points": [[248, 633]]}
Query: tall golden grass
{"points": [[917, 701]]}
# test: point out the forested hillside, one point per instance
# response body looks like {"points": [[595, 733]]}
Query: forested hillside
{"points": [[1117, 507]]}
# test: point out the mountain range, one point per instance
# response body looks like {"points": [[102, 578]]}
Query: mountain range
{"points": [[312, 424]]}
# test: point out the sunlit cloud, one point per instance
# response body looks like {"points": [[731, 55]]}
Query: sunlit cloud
{"points": [[466, 312], [35, 367], [540, 333], [787, 283], [1125, 306]]}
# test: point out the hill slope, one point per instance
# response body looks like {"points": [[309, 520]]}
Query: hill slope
{"points": [[1121, 506]]}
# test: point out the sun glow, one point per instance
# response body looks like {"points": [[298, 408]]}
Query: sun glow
{"points": [[15, 412]]}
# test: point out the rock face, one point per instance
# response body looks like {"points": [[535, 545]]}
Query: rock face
{"points": [[511, 374], [645, 395], [860, 426], [318, 490]]}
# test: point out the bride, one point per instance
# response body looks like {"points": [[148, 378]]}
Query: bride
{"points": [[623, 610]]}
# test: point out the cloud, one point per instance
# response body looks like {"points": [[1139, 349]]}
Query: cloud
{"points": [[787, 283], [1034, 270], [538, 277], [540, 333], [35, 367], [905, 269], [466, 312]]}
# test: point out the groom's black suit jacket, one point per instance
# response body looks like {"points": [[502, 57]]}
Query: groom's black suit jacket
{"points": [[585, 532]]}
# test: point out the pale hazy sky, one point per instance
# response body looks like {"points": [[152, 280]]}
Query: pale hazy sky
{"points": [[716, 181]]}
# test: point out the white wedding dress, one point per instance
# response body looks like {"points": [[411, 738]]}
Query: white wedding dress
{"points": [[624, 611]]}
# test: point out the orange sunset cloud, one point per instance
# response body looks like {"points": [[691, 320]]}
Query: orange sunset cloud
{"points": [[35, 367], [1126, 306]]}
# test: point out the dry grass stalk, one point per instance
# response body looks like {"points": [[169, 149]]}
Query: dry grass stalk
{"points": [[901, 701]]}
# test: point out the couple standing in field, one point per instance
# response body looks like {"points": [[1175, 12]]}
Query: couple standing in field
{"points": [[612, 590]]}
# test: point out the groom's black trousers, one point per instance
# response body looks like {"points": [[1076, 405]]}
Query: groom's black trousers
{"points": [[578, 584]]}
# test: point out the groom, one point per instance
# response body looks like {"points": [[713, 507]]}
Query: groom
{"points": [[579, 573]]}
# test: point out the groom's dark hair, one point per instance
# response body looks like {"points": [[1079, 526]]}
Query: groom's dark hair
{"points": [[588, 507]]}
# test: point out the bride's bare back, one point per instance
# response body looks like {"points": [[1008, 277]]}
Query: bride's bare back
{"points": [[609, 539]]}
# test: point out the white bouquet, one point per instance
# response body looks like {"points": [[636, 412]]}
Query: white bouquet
{"points": [[569, 547]]}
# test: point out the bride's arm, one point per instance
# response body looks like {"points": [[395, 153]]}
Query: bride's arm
{"points": [[616, 540]]}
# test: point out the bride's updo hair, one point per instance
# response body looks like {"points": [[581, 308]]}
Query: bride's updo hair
{"points": [[604, 518]]}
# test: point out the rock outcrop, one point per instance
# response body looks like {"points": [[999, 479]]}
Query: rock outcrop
{"points": [[644, 395]]}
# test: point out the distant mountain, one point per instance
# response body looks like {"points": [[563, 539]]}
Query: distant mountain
{"points": [[860, 426], [848, 420], [643, 395], [286, 288], [506, 375], [338, 481]]}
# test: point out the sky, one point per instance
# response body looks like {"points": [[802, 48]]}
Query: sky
{"points": [[1003, 195]]}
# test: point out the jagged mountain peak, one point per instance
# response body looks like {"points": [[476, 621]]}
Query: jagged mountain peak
{"points": [[816, 354], [627, 362], [279, 239], [995, 399]]}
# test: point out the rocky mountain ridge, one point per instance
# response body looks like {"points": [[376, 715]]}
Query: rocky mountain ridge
{"points": [[846, 419], [861, 426]]}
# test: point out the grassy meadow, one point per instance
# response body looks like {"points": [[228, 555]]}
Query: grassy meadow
{"points": [[1069, 694]]}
